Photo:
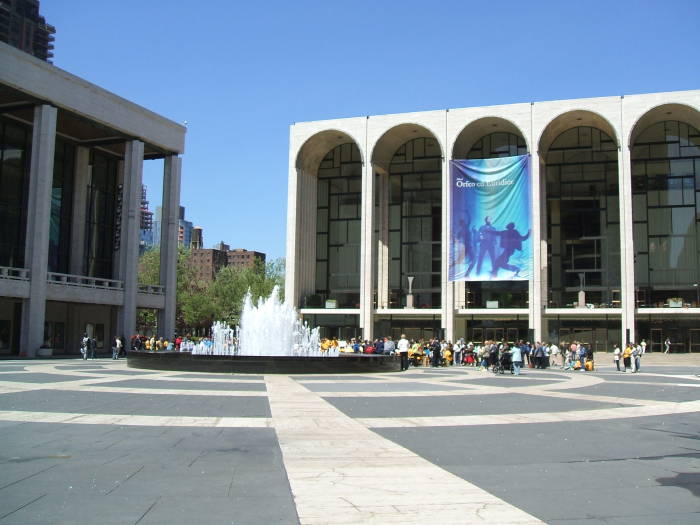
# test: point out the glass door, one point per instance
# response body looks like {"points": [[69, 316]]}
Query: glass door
{"points": [[695, 340]]}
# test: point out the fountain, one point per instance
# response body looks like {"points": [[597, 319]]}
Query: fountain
{"points": [[271, 339]]}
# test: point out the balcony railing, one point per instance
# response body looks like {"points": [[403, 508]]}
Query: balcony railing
{"points": [[84, 281], [16, 274], [152, 289]]}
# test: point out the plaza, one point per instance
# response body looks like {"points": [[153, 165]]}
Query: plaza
{"points": [[88, 439]]}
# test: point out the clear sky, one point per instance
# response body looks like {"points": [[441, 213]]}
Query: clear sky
{"points": [[240, 73]]}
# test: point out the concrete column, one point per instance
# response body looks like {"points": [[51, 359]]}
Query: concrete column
{"points": [[306, 249], [36, 251], [80, 196], [131, 222], [626, 243], [448, 290], [368, 252], [168, 243], [539, 250], [383, 242], [291, 277]]}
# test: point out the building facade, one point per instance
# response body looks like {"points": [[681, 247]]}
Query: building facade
{"points": [[616, 205], [71, 160], [207, 262], [241, 258]]}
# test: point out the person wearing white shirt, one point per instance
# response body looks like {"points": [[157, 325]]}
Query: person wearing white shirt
{"points": [[403, 352]]}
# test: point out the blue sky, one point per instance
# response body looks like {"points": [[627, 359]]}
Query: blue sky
{"points": [[241, 73]]}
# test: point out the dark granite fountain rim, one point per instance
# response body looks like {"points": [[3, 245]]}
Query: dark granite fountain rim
{"points": [[186, 362]]}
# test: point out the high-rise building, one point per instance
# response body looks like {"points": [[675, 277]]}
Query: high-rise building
{"points": [[21, 26], [148, 240], [184, 228]]}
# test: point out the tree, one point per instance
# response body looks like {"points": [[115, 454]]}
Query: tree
{"points": [[200, 303], [232, 284]]}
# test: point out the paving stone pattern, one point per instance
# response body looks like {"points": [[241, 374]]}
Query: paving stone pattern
{"points": [[87, 442]]}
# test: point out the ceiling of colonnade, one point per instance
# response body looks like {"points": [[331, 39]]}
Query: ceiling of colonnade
{"points": [[574, 119], [678, 112], [479, 129], [393, 139], [315, 148]]}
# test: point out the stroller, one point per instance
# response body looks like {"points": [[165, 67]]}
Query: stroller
{"points": [[504, 363]]}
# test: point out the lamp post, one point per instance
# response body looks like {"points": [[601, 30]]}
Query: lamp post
{"points": [[409, 296], [697, 294]]}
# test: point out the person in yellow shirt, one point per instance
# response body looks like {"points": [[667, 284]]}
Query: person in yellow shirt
{"points": [[627, 357], [447, 355]]}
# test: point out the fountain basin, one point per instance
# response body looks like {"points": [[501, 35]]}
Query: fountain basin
{"points": [[186, 362]]}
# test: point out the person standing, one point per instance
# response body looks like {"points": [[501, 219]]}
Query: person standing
{"points": [[667, 346], [516, 356], [436, 352], [457, 354], [390, 346], [403, 351], [85, 345], [627, 357], [115, 349], [616, 356]]}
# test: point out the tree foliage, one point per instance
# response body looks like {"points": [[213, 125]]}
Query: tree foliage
{"points": [[200, 303]]}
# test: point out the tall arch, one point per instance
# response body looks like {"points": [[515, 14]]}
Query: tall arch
{"points": [[490, 137], [504, 139], [665, 160], [579, 156], [407, 163], [328, 223]]}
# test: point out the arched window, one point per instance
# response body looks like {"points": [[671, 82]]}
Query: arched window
{"points": [[415, 222], [583, 218], [666, 210], [338, 217]]}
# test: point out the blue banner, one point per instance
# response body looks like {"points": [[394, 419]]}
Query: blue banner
{"points": [[490, 216]]}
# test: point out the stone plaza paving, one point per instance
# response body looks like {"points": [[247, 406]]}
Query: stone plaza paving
{"points": [[87, 442]]}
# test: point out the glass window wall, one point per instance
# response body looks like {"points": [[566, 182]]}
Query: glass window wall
{"points": [[583, 216], [61, 206], [415, 222], [338, 218], [15, 146], [666, 195], [100, 216]]}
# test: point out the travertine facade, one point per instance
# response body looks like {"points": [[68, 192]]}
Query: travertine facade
{"points": [[625, 303]]}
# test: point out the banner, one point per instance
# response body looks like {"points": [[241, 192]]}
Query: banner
{"points": [[490, 217]]}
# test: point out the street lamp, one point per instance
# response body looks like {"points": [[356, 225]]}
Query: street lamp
{"points": [[697, 294]]}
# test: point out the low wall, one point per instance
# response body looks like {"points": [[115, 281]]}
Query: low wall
{"points": [[186, 362]]}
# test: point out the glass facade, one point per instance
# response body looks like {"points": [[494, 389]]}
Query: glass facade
{"points": [[15, 146], [415, 223], [338, 326], [598, 334], [338, 214], [512, 294], [583, 219], [100, 216], [61, 206], [666, 211]]}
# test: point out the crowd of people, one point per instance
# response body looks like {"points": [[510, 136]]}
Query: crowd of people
{"points": [[483, 356], [432, 352]]}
